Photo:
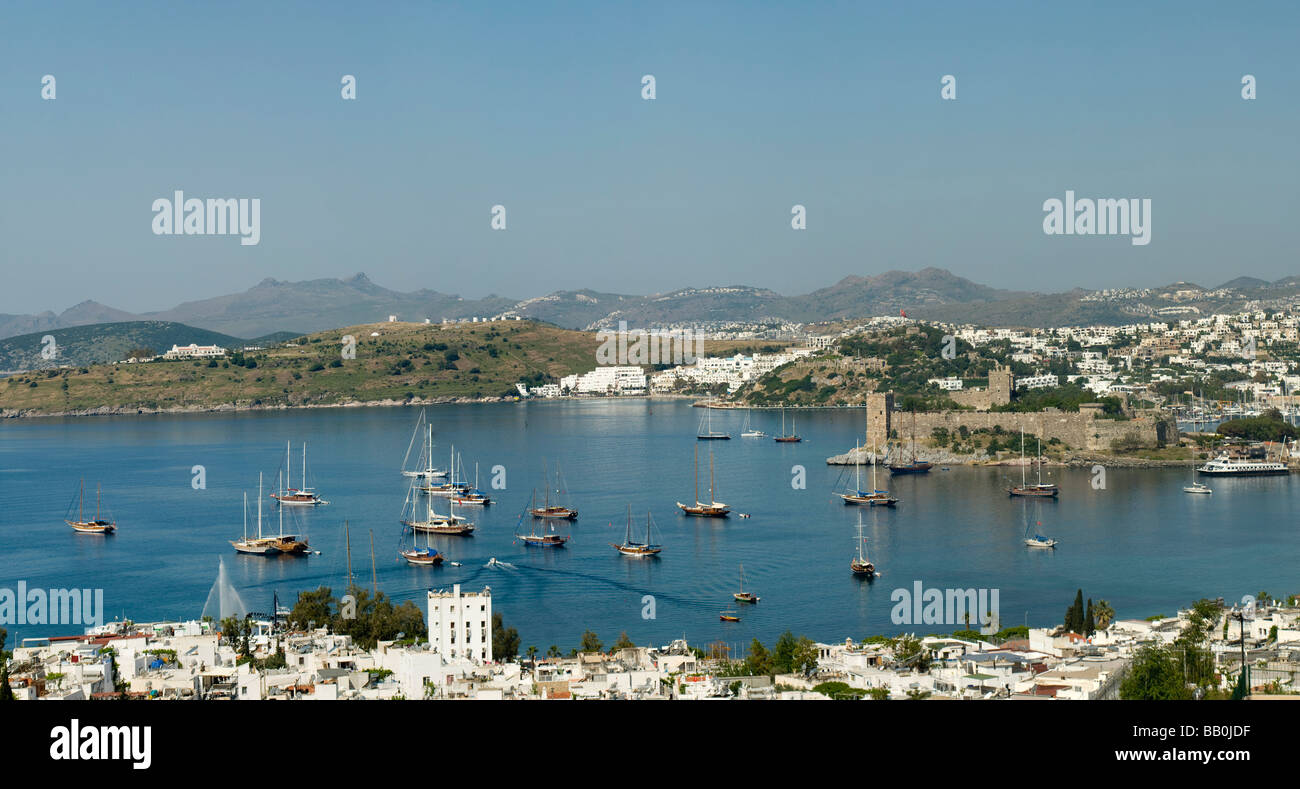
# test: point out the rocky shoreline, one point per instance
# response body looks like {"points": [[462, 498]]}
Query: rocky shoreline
{"points": [[1072, 460], [6, 413]]}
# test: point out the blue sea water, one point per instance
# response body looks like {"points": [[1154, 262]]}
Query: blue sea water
{"points": [[1140, 543]]}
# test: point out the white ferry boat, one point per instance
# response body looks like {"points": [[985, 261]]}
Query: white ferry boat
{"points": [[1224, 466]]}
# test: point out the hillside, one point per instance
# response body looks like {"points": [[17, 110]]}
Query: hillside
{"points": [[405, 362], [105, 342]]}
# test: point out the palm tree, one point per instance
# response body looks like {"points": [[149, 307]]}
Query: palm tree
{"points": [[1104, 614], [553, 651], [532, 654]]}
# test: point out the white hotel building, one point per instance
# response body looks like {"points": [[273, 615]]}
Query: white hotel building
{"points": [[460, 625], [606, 380], [193, 351]]}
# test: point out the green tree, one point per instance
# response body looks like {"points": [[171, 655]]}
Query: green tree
{"points": [[1089, 620], [313, 607], [505, 641], [623, 642], [1156, 674], [591, 643], [1105, 614], [759, 661], [6, 692]]}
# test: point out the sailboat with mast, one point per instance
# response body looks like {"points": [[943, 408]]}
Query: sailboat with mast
{"points": [[544, 540], [712, 508], [297, 497], [433, 522], [82, 526], [259, 545], [453, 487], [1039, 489], [630, 547], [875, 497], [289, 543], [742, 596], [860, 565], [708, 433], [548, 510], [913, 466], [749, 431], [471, 496], [787, 438], [1037, 540], [426, 556], [425, 469]]}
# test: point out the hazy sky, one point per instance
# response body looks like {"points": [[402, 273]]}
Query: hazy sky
{"points": [[538, 107]]}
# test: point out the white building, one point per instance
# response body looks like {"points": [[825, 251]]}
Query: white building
{"points": [[460, 625], [947, 384], [1038, 381], [606, 380], [193, 351]]}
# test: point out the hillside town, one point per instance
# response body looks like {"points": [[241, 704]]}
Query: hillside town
{"points": [[194, 660]]}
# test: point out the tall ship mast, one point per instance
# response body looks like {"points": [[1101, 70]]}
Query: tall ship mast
{"points": [[787, 438], [860, 564], [548, 510], [99, 525], [914, 466], [1039, 489], [633, 548], [874, 497], [712, 508], [297, 497], [433, 522], [259, 545]]}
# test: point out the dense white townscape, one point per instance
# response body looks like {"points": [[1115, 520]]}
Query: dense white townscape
{"points": [[193, 660]]}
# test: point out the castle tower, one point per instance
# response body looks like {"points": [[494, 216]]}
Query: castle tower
{"points": [[880, 408], [1001, 384]]}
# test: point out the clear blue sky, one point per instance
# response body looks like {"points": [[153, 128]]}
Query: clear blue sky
{"points": [[537, 106]]}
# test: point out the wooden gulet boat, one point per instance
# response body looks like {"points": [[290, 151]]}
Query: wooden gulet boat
{"points": [[297, 497], [875, 497], [83, 526], [711, 509], [729, 616], [454, 487], [434, 523], [787, 438], [289, 543], [1040, 489], [639, 550], [472, 497], [548, 510], [259, 545], [543, 540], [860, 565]]}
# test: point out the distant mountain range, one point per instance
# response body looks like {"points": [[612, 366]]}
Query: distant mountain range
{"points": [[932, 293]]}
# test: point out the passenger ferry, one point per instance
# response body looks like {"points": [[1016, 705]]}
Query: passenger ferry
{"points": [[1224, 466]]}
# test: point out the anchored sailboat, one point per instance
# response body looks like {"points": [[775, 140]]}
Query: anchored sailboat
{"points": [[454, 487], [426, 469], [289, 543], [259, 545], [630, 547], [1037, 540], [708, 433], [1040, 489], [543, 540], [787, 438], [83, 526], [860, 564], [742, 596], [472, 497], [433, 522], [750, 432], [875, 497], [304, 497], [711, 509], [426, 556], [548, 510]]}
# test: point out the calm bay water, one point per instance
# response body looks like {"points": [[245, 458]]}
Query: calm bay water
{"points": [[1141, 543]]}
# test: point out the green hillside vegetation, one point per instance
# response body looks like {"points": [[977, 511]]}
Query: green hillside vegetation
{"points": [[406, 361], [110, 342], [1271, 426]]}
